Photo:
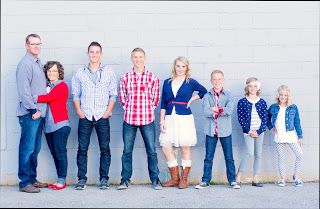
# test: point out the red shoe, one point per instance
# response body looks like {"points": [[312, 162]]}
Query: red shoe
{"points": [[59, 188], [51, 186]]}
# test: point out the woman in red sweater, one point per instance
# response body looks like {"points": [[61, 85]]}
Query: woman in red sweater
{"points": [[57, 127]]}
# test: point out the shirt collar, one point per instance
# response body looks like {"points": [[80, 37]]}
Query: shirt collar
{"points": [[34, 59], [253, 101], [54, 84], [212, 91], [101, 67], [143, 72]]}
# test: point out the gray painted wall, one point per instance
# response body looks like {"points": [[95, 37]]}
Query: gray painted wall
{"points": [[278, 42]]}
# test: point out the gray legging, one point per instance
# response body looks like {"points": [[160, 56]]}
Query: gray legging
{"points": [[253, 148]]}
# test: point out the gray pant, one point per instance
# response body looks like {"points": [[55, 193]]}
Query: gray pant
{"points": [[253, 148]]}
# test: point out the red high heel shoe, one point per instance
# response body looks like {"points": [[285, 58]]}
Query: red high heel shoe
{"points": [[60, 187]]}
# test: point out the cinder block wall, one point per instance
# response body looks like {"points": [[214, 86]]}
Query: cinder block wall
{"points": [[278, 42]]}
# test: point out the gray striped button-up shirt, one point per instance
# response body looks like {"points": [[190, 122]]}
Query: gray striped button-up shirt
{"points": [[31, 80], [224, 119]]}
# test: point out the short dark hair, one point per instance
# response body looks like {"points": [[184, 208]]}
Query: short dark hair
{"points": [[94, 43], [50, 64], [32, 35]]}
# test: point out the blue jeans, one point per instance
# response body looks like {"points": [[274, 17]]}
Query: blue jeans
{"points": [[85, 127], [211, 143], [57, 143], [29, 148], [129, 136]]}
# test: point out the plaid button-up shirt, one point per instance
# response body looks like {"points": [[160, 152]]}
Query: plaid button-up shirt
{"points": [[94, 96], [139, 96]]}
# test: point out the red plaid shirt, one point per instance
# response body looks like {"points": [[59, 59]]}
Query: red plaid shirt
{"points": [[221, 110], [139, 96]]}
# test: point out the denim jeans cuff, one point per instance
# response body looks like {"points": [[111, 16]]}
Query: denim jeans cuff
{"points": [[205, 180], [106, 178], [61, 181]]}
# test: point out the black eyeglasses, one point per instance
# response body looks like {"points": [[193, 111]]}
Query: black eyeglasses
{"points": [[35, 44]]}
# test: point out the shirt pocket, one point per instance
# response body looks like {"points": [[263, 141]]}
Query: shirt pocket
{"points": [[104, 83], [132, 88], [86, 83], [292, 113], [144, 89]]}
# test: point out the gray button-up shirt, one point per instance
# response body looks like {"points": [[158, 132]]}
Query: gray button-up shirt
{"points": [[224, 119], [31, 80]]}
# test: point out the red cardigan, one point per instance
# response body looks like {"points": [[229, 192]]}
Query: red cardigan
{"points": [[57, 100]]}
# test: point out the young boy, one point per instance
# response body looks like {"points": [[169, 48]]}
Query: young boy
{"points": [[217, 108], [139, 93]]}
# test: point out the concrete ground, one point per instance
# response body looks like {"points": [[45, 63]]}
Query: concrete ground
{"points": [[143, 196]]}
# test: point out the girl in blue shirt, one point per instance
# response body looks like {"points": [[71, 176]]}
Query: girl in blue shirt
{"points": [[284, 121], [176, 120], [253, 116]]}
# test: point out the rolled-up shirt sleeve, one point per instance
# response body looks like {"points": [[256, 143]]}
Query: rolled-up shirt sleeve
{"points": [[113, 92], [122, 92], [155, 94], [76, 87]]}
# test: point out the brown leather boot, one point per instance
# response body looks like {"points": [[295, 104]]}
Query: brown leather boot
{"points": [[184, 179], [174, 181]]}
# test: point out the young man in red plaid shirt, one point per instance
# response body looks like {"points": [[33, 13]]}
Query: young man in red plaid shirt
{"points": [[139, 93]]}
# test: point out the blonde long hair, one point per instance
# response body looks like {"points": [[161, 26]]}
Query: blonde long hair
{"points": [[284, 88], [252, 80], [185, 61]]}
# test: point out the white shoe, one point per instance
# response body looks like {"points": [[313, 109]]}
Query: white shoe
{"points": [[281, 183], [202, 185], [235, 185]]}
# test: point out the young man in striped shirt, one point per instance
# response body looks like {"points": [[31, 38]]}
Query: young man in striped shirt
{"points": [[94, 90], [139, 93]]}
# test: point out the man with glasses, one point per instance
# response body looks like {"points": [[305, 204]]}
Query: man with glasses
{"points": [[31, 80], [94, 90]]}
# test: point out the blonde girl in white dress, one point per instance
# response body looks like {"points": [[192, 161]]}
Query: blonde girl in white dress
{"points": [[176, 120]]}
